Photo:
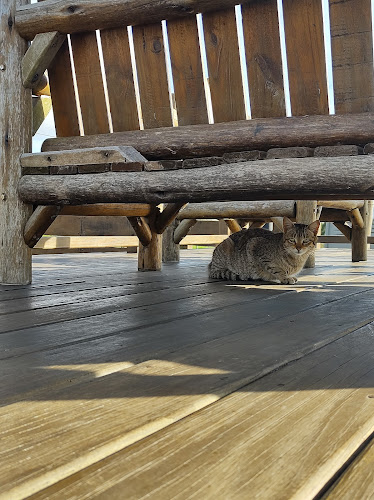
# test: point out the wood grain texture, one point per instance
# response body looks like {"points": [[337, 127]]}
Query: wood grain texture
{"points": [[225, 78], [305, 56], [263, 54], [120, 80], [238, 210], [187, 71], [151, 69], [221, 138], [15, 137], [328, 178], [39, 56], [357, 482], [88, 16], [352, 55], [63, 94], [124, 209], [141, 229], [90, 83], [170, 250], [360, 234], [252, 442], [39, 222]]}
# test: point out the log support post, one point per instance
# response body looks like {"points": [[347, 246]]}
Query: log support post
{"points": [[15, 139], [170, 250], [306, 213], [150, 256], [182, 230], [39, 222], [360, 234]]}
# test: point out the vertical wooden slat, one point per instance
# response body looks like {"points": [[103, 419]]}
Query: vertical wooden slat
{"points": [[264, 62], [62, 94], [120, 82], [225, 80], [152, 76], [90, 83], [352, 55], [306, 56], [187, 71]]}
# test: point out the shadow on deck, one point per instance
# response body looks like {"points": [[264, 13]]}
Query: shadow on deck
{"points": [[119, 384]]}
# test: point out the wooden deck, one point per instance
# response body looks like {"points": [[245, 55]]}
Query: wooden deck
{"points": [[124, 385]]}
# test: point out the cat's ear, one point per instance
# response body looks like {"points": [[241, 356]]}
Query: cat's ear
{"points": [[314, 227], [287, 224]]}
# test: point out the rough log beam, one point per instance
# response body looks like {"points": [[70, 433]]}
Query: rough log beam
{"points": [[233, 225], [220, 138], [89, 15], [239, 210], [39, 56], [356, 218], [183, 229], [344, 229], [39, 222], [298, 178], [107, 209], [167, 216], [142, 230]]}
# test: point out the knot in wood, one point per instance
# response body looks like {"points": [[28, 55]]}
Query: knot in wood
{"points": [[157, 46]]}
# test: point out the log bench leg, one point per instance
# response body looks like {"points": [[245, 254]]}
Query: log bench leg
{"points": [[150, 256], [306, 213], [15, 137], [360, 234], [170, 250]]}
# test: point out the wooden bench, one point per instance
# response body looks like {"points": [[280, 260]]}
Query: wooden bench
{"points": [[103, 106]]}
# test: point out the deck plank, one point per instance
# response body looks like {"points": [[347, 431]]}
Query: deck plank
{"points": [[280, 437], [104, 370], [357, 482]]}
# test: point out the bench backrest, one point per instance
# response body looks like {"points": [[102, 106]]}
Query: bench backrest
{"points": [[352, 64]]}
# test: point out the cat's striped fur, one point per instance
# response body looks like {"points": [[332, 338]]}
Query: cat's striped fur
{"points": [[258, 254]]}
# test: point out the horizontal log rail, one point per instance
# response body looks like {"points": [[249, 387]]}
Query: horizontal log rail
{"points": [[239, 210], [219, 138], [293, 179], [68, 16]]}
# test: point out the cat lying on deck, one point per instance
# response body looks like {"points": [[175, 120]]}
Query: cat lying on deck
{"points": [[259, 254]]}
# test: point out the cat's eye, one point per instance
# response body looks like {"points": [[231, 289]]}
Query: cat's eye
{"points": [[291, 240], [306, 242]]}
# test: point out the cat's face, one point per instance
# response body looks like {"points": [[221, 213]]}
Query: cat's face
{"points": [[299, 238]]}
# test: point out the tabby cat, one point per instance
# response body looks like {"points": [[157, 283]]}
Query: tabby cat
{"points": [[259, 254]]}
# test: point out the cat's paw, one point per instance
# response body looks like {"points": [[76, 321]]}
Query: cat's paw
{"points": [[289, 281]]}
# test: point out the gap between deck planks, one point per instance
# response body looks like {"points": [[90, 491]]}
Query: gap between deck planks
{"points": [[284, 436]]}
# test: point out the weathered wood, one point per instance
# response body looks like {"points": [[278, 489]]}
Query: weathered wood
{"points": [[150, 256], [39, 222], [239, 210], [39, 56], [41, 106], [359, 235], [187, 71], [306, 213], [233, 225], [170, 250], [141, 229], [263, 54], [333, 215], [225, 78], [15, 137], [341, 204], [92, 156], [305, 57], [299, 178], [115, 209], [63, 94], [343, 228], [220, 138], [182, 230], [167, 216], [90, 83], [356, 482], [352, 55], [86, 15], [356, 218], [120, 80], [152, 76]]}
